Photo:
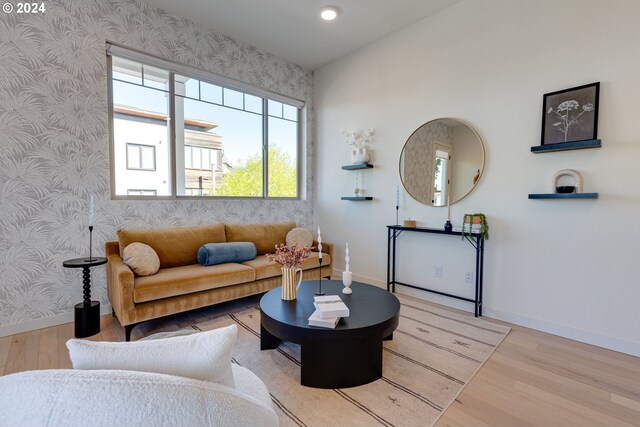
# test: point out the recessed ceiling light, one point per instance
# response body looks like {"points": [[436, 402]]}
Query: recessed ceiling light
{"points": [[328, 13]]}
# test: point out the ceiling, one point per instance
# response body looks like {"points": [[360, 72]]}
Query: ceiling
{"points": [[293, 30]]}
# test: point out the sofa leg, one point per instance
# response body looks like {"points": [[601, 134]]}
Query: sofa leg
{"points": [[127, 331]]}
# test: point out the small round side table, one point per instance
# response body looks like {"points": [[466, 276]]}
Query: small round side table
{"points": [[87, 313]]}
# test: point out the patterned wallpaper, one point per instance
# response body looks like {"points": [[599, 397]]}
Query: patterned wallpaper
{"points": [[418, 155], [54, 146]]}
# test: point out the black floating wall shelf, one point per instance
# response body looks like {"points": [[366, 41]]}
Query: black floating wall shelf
{"points": [[564, 146], [357, 166], [564, 196], [356, 199]]}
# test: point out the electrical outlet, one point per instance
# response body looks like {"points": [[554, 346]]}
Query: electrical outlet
{"points": [[468, 277], [437, 272]]}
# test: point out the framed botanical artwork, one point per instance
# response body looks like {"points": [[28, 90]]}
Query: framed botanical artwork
{"points": [[570, 115]]}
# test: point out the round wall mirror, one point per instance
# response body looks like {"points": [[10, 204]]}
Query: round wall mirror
{"points": [[442, 162]]}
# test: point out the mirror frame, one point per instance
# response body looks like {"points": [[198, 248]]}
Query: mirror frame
{"points": [[482, 165]]}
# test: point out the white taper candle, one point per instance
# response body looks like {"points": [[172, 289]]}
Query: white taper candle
{"points": [[346, 258], [91, 211], [449, 208], [397, 195], [319, 244]]}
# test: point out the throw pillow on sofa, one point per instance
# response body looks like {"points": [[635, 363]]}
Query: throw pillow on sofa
{"points": [[141, 259], [301, 236], [203, 356], [219, 253]]}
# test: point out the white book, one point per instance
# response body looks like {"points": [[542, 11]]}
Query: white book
{"points": [[316, 320], [330, 306]]}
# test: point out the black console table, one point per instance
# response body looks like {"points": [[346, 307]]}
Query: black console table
{"points": [[87, 313], [393, 231]]}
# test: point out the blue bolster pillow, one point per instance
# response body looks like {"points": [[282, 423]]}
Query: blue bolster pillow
{"points": [[219, 253]]}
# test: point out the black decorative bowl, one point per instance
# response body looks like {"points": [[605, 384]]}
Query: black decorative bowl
{"points": [[566, 189]]}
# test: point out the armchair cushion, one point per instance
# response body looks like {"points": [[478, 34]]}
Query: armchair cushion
{"points": [[203, 356], [74, 398]]}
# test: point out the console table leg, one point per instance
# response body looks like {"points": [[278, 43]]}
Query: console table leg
{"points": [[388, 257], [393, 263], [481, 274]]}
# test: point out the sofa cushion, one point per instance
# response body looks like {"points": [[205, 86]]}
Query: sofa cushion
{"points": [[265, 268], [141, 259], [204, 356], [265, 236], [219, 253], [176, 246], [312, 261], [170, 282]]}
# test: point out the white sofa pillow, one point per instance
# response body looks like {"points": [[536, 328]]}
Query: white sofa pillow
{"points": [[203, 356]]}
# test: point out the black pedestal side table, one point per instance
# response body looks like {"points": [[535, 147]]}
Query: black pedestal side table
{"points": [[87, 313]]}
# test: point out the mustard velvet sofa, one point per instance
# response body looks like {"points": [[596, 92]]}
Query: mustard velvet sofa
{"points": [[182, 284]]}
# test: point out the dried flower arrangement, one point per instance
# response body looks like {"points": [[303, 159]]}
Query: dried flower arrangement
{"points": [[290, 256], [357, 139]]}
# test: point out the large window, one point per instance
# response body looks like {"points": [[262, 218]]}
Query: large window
{"points": [[197, 136]]}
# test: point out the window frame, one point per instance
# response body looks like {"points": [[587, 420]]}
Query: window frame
{"points": [[140, 147], [141, 190], [204, 77]]}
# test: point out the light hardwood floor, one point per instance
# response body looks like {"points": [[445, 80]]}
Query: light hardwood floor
{"points": [[532, 379]]}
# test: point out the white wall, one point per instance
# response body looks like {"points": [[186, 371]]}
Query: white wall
{"points": [[568, 267]]}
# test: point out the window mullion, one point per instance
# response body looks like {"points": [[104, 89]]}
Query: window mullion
{"points": [[265, 148], [173, 169]]}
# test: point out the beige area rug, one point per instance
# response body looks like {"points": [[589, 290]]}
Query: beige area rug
{"points": [[433, 354]]}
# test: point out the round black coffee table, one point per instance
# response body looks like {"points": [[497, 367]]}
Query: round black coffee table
{"points": [[347, 356]]}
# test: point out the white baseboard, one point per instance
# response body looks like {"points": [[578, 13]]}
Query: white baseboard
{"points": [[45, 322], [611, 343]]}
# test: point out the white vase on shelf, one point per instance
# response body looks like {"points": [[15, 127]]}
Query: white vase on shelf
{"points": [[359, 155]]}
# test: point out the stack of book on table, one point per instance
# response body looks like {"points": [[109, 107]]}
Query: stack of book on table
{"points": [[329, 310]]}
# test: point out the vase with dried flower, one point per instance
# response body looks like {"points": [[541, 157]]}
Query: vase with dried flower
{"points": [[358, 142], [291, 258]]}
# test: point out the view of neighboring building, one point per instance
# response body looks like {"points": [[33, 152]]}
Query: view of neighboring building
{"points": [[142, 157]]}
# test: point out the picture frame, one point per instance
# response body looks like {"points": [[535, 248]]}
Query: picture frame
{"points": [[570, 115]]}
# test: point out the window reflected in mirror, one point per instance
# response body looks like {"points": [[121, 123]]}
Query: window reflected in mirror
{"points": [[441, 162]]}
